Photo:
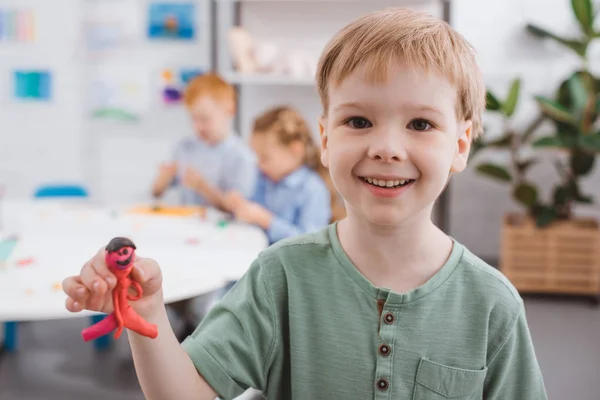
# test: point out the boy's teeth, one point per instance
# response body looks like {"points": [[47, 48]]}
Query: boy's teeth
{"points": [[383, 183]]}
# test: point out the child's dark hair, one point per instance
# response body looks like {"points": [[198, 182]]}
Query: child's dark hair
{"points": [[289, 126]]}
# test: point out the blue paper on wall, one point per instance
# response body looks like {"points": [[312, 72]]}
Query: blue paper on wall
{"points": [[36, 85], [172, 21]]}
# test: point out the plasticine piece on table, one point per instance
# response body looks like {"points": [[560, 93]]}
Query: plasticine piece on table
{"points": [[192, 241], [222, 223], [25, 262], [56, 287], [120, 255]]}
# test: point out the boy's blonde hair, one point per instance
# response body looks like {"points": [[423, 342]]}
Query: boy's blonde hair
{"points": [[209, 84], [380, 38]]}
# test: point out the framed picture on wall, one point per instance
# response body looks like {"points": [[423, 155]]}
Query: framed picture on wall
{"points": [[175, 21]]}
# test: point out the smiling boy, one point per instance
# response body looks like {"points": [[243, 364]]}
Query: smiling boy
{"points": [[383, 304]]}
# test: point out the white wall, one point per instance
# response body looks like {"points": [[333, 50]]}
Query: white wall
{"points": [[59, 145]]}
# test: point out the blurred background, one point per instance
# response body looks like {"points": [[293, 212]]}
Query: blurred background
{"points": [[90, 96]]}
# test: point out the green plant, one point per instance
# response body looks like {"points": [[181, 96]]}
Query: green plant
{"points": [[513, 143], [574, 111]]}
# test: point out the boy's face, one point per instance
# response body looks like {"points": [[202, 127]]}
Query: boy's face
{"points": [[402, 134], [274, 159], [211, 119]]}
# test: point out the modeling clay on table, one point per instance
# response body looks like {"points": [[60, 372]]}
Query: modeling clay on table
{"points": [[181, 211], [120, 256]]}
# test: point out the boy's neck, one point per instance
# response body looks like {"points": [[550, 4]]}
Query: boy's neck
{"points": [[401, 258]]}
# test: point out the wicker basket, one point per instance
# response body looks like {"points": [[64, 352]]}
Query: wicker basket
{"points": [[563, 258]]}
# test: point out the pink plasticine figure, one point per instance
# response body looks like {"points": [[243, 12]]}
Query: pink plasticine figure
{"points": [[119, 259]]}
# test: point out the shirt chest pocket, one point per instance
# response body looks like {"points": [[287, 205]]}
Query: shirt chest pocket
{"points": [[439, 382]]}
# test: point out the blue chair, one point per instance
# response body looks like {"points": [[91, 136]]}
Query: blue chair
{"points": [[61, 191], [54, 191]]}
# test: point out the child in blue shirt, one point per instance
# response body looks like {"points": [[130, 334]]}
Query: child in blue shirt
{"points": [[291, 196], [214, 161]]}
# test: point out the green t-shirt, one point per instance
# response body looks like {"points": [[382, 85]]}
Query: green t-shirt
{"points": [[304, 323]]}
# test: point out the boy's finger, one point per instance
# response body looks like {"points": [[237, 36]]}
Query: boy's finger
{"points": [[73, 287], [99, 265], [72, 305]]}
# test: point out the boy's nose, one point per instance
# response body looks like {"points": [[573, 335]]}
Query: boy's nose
{"points": [[387, 146]]}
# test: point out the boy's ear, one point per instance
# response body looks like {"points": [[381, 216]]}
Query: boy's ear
{"points": [[463, 147], [323, 135]]}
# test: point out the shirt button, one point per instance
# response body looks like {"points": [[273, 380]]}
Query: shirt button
{"points": [[389, 318], [384, 350], [382, 384]]}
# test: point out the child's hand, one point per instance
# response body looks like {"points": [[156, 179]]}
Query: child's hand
{"points": [[168, 169], [192, 179], [92, 288], [253, 213], [232, 200]]}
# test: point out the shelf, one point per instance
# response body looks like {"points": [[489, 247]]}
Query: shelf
{"points": [[402, 2], [268, 79]]}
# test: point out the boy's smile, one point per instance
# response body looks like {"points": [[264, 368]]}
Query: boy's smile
{"points": [[391, 146]]}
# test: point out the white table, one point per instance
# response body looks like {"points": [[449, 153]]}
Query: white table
{"points": [[55, 238]]}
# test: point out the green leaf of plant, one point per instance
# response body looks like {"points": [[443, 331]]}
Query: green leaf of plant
{"points": [[591, 142], [510, 104], [581, 162], [492, 102], [546, 216], [578, 47], [548, 141], [523, 166], [578, 95], [583, 11], [494, 171], [526, 194], [560, 196], [554, 110]]}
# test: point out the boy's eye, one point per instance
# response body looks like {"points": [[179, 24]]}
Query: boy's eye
{"points": [[420, 125], [358, 123]]}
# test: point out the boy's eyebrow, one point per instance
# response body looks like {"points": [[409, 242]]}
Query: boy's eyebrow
{"points": [[424, 107], [414, 107], [351, 104]]}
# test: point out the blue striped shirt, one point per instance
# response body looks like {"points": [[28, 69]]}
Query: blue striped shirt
{"points": [[300, 202]]}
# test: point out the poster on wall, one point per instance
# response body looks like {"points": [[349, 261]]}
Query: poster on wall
{"points": [[175, 21], [109, 26], [173, 82], [17, 25], [32, 85], [118, 93]]}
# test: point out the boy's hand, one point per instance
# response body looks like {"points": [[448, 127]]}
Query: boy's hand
{"points": [[92, 288], [253, 213], [168, 169], [232, 200], [192, 179]]}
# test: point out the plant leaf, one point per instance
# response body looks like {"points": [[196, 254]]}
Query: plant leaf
{"points": [[494, 171], [591, 142], [548, 141], [578, 47], [581, 162], [492, 102], [526, 194], [579, 95], [545, 217], [560, 196], [554, 110], [510, 104], [523, 166], [584, 13]]}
